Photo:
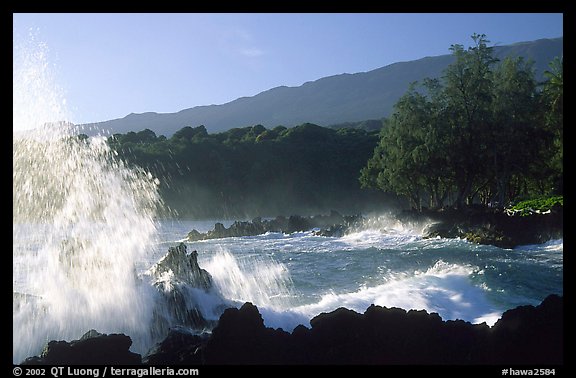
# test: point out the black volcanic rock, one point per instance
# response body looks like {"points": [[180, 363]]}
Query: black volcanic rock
{"points": [[381, 335], [333, 224], [476, 224], [490, 226], [180, 347], [529, 333], [92, 348], [184, 267], [175, 277], [242, 338], [524, 336]]}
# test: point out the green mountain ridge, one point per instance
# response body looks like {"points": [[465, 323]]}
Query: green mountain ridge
{"points": [[327, 101]]}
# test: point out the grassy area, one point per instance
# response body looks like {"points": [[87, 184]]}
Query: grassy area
{"points": [[541, 205]]}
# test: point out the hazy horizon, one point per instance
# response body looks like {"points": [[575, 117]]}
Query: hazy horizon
{"points": [[111, 65]]}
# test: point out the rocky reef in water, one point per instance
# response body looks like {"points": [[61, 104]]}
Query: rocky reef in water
{"points": [[491, 226], [526, 335], [479, 225], [176, 276], [178, 281], [333, 224]]}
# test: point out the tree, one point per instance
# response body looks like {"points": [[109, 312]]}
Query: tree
{"points": [[306, 168], [146, 136], [468, 91], [397, 164], [554, 87], [515, 139], [188, 133], [473, 136], [553, 101]]}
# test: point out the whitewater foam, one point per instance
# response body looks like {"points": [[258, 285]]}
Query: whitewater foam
{"points": [[444, 288], [82, 219], [255, 279]]}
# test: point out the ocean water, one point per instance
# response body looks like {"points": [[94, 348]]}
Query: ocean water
{"points": [[294, 277]]}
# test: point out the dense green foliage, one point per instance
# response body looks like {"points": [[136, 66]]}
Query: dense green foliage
{"points": [[486, 133], [254, 171], [553, 100], [368, 125], [536, 205]]}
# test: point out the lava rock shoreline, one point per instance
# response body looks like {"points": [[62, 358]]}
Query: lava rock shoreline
{"points": [[479, 225], [526, 335]]}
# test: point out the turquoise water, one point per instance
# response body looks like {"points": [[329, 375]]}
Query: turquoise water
{"points": [[290, 277], [297, 276]]}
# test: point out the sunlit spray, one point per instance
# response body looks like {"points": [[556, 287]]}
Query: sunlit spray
{"points": [[263, 282], [82, 219]]}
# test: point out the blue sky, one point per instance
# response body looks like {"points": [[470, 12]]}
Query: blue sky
{"points": [[110, 65]]}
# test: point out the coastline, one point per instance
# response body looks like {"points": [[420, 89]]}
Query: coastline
{"points": [[478, 225], [491, 226], [380, 336], [526, 335]]}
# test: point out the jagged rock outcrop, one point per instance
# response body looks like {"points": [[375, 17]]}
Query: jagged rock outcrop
{"points": [[526, 335], [333, 224], [476, 224], [180, 347], [529, 333], [491, 226], [182, 268], [176, 277], [92, 348]]}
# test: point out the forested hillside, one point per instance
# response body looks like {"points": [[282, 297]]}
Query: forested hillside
{"points": [[255, 171]]}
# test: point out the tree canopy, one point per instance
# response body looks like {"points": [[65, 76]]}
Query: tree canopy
{"points": [[485, 133], [255, 171]]}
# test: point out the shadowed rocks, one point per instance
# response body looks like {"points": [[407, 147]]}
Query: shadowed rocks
{"points": [[333, 224], [476, 224], [92, 348], [491, 226], [180, 347], [384, 336], [526, 335], [178, 278]]}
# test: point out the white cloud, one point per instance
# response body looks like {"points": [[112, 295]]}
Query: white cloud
{"points": [[251, 52], [238, 41]]}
